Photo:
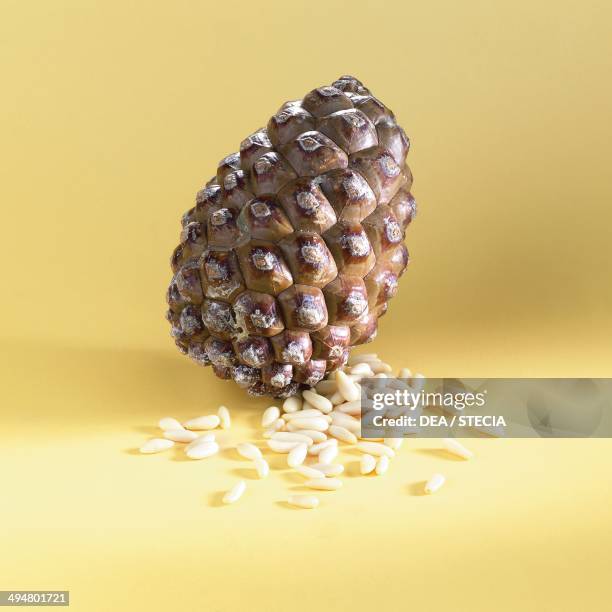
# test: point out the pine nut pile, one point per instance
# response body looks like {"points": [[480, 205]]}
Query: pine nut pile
{"points": [[308, 429]]}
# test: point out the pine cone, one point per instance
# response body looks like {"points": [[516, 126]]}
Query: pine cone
{"points": [[295, 247]]}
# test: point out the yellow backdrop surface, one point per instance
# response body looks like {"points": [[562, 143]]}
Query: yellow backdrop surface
{"points": [[112, 115]]}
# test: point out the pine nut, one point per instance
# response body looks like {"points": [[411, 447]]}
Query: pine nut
{"points": [[248, 451], [303, 501], [281, 447], [297, 455], [286, 436], [202, 450], [324, 484], [456, 448], [208, 437], [381, 368], [309, 472], [356, 359], [434, 483], [394, 443], [156, 445], [210, 421], [348, 389], [269, 416], [262, 467], [326, 387], [382, 465], [180, 435], [418, 382], [329, 469], [316, 423], [375, 448], [318, 401], [316, 449], [404, 373], [168, 423], [336, 398], [327, 455], [352, 408], [362, 369], [346, 421], [235, 493], [224, 417], [367, 464], [342, 434], [292, 404], [315, 436], [302, 414]]}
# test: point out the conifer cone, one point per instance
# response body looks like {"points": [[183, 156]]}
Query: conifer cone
{"points": [[294, 248]]}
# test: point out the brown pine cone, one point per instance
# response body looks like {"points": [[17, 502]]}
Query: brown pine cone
{"points": [[293, 250]]}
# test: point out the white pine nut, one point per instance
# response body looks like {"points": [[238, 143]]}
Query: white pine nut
{"points": [[342, 434], [270, 416], [279, 425], [318, 401], [336, 398], [302, 414], [346, 421], [356, 359], [210, 421], [348, 389], [309, 472], [316, 423], [315, 436], [326, 387], [362, 369], [303, 501], [418, 382], [316, 449], [281, 447], [168, 423], [262, 467], [327, 455], [224, 417], [156, 445], [286, 436], [381, 368], [352, 408], [367, 464], [404, 373], [248, 451], [235, 493], [202, 450], [329, 469], [456, 448], [324, 484], [434, 483], [206, 437], [180, 435], [292, 404], [297, 455], [382, 465], [394, 443], [375, 448]]}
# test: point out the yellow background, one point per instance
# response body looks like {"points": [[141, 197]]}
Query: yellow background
{"points": [[112, 115]]}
